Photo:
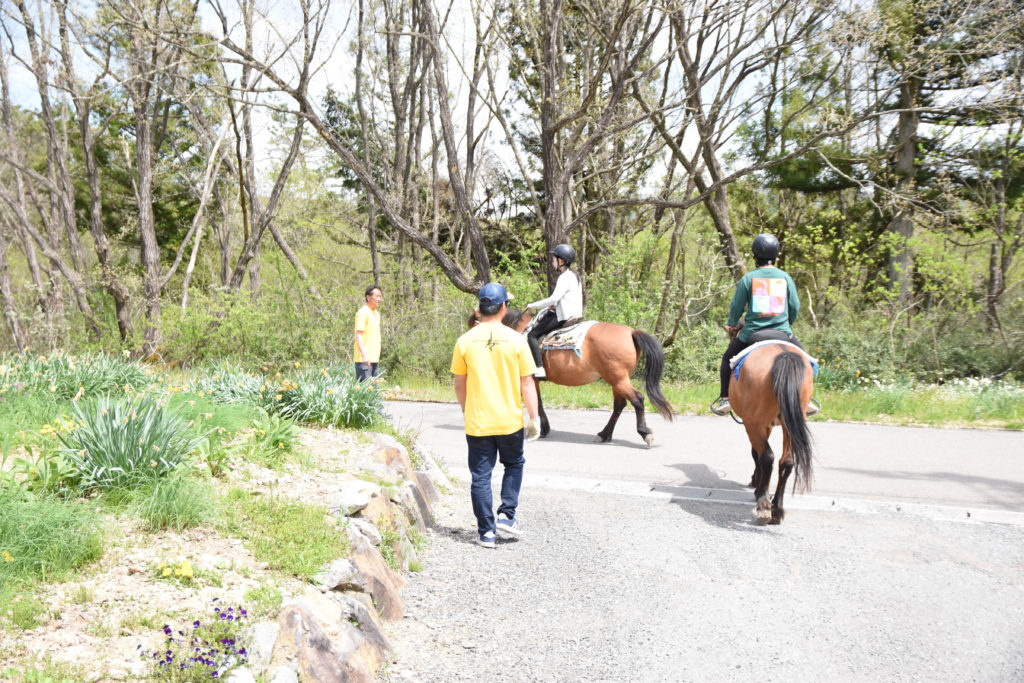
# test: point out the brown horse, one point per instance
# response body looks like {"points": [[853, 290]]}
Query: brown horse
{"points": [[609, 352], [774, 386]]}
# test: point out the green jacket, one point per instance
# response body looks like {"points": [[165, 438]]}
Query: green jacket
{"points": [[769, 296]]}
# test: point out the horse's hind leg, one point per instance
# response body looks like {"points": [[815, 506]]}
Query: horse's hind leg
{"points": [[762, 473], [641, 418], [785, 468], [605, 434]]}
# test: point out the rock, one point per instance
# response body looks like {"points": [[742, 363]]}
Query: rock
{"points": [[339, 575], [240, 675], [434, 471], [389, 451], [352, 496], [377, 510], [426, 486], [359, 608], [383, 473], [349, 656], [412, 502], [284, 674], [261, 639], [366, 528], [384, 584]]}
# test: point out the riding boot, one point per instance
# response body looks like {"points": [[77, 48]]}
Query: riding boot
{"points": [[538, 358]]}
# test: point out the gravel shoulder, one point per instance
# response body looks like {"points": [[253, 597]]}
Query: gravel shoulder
{"points": [[614, 587]]}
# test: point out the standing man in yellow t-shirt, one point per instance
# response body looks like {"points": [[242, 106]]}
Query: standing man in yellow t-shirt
{"points": [[493, 370], [367, 346]]}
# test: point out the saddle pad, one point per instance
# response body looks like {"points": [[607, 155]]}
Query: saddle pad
{"points": [[567, 337], [736, 362]]}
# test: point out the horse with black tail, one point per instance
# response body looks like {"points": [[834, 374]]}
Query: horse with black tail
{"points": [[773, 384], [610, 352]]}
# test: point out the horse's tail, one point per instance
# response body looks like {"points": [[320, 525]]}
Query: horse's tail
{"points": [[788, 370], [654, 363]]}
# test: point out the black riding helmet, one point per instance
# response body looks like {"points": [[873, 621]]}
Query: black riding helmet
{"points": [[565, 252], [765, 247]]}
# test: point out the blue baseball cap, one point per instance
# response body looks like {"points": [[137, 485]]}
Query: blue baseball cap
{"points": [[493, 294]]}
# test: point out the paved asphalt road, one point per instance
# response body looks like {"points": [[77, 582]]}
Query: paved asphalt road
{"points": [[905, 563], [942, 473]]}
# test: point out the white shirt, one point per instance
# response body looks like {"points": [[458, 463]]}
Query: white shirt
{"points": [[567, 297]]}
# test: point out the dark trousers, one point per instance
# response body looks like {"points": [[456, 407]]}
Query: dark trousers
{"points": [[548, 323], [484, 451], [735, 346], [366, 371]]}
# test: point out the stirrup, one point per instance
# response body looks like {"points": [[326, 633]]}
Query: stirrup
{"points": [[813, 407], [721, 406]]}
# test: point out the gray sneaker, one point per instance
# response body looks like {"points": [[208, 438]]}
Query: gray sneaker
{"points": [[813, 407], [508, 526], [721, 406]]}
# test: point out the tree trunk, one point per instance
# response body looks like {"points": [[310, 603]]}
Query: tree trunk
{"points": [[9, 305], [901, 262]]}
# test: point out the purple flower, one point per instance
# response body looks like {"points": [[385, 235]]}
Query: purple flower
{"points": [[195, 624], [167, 630]]}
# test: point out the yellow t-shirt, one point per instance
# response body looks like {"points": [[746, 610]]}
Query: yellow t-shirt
{"points": [[368, 322], [494, 358]]}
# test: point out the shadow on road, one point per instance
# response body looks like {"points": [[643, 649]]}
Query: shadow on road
{"points": [[982, 485], [698, 474]]}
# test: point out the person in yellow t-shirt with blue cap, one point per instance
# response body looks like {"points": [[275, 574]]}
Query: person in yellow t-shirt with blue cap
{"points": [[493, 370]]}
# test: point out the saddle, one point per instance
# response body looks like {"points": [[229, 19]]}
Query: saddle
{"points": [[736, 362], [570, 336]]}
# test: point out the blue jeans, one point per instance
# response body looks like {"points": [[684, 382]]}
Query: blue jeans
{"points": [[364, 373], [484, 451]]}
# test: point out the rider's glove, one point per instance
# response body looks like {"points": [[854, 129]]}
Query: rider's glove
{"points": [[533, 429]]}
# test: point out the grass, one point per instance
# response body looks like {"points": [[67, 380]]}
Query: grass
{"points": [[264, 600], [20, 415], [44, 670], [288, 536], [42, 538], [966, 403], [176, 502]]}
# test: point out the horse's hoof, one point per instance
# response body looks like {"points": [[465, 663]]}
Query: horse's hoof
{"points": [[649, 440]]}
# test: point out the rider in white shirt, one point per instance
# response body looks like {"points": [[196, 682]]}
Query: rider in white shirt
{"points": [[566, 301]]}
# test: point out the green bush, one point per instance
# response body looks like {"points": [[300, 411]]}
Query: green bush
{"points": [[119, 442], [330, 397], [67, 376], [283, 324]]}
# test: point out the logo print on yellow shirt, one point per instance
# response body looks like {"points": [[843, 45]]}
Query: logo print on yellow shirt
{"points": [[490, 342]]}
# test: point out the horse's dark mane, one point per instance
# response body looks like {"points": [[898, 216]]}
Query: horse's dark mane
{"points": [[512, 317]]}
